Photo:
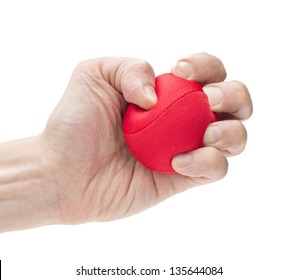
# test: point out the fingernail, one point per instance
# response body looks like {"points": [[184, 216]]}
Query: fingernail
{"points": [[182, 160], [213, 134], [214, 95], [183, 69], [151, 94]]}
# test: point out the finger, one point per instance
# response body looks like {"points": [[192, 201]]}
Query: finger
{"points": [[133, 77], [229, 137], [230, 97], [207, 164], [202, 67], [138, 83]]}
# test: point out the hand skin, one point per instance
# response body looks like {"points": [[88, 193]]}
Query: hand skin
{"points": [[79, 169]]}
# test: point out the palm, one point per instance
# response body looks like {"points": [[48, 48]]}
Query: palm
{"points": [[103, 181]]}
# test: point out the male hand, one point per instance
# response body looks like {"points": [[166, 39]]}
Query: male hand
{"points": [[92, 173]]}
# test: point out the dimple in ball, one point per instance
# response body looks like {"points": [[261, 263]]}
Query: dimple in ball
{"points": [[175, 125]]}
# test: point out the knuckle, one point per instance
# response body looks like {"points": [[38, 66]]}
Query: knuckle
{"points": [[240, 87], [236, 139], [218, 166], [240, 134], [240, 97], [134, 67], [133, 74], [224, 170], [217, 65], [204, 54], [239, 130], [142, 65], [243, 131], [242, 91]]}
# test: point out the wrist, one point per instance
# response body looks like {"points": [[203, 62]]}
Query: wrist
{"points": [[28, 196]]}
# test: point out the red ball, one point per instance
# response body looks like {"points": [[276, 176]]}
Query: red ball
{"points": [[175, 125]]}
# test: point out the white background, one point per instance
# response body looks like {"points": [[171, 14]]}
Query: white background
{"points": [[245, 223]]}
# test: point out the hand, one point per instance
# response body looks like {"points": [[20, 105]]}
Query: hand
{"points": [[95, 176], [79, 169]]}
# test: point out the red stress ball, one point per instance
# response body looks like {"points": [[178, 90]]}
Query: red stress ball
{"points": [[175, 125]]}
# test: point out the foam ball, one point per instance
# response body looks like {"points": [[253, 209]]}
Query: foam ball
{"points": [[175, 125]]}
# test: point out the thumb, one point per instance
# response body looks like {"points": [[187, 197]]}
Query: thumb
{"points": [[134, 78]]}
